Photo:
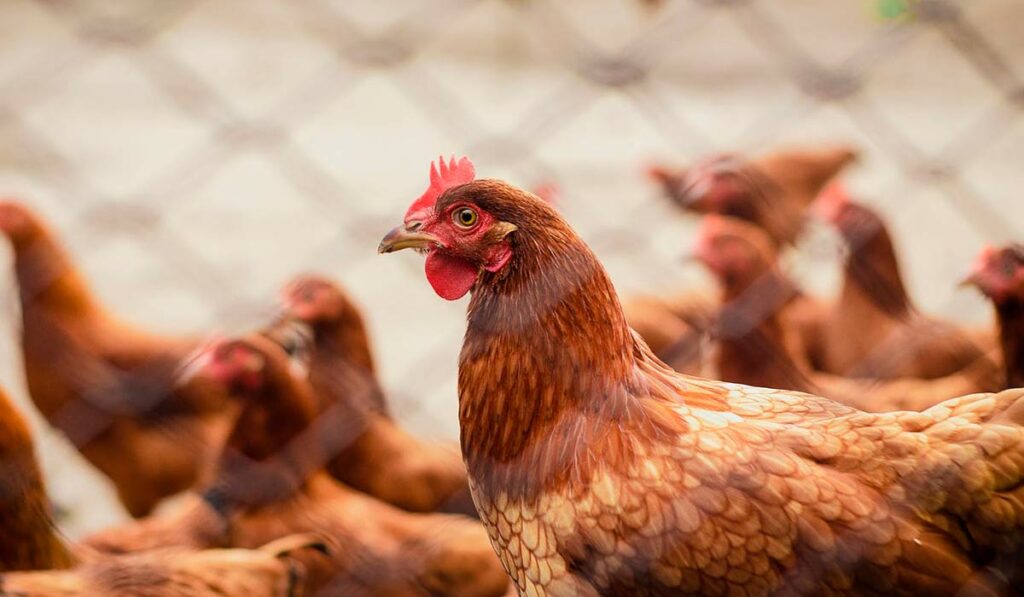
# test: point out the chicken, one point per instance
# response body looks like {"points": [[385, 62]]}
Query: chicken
{"points": [[597, 470], [36, 560], [367, 449], [677, 328], [271, 571], [270, 483], [771, 190], [1000, 275], [874, 330], [755, 347], [107, 385], [30, 541]]}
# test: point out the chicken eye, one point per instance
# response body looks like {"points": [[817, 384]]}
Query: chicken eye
{"points": [[464, 217]]}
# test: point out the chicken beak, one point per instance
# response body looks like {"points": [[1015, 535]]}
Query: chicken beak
{"points": [[972, 279], [402, 237]]}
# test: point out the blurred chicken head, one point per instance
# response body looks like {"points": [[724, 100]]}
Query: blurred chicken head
{"points": [[238, 364], [736, 252], [712, 185], [460, 239], [999, 273], [17, 222], [314, 300], [856, 223]]}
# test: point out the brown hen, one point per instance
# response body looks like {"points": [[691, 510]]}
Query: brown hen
{"points": [[367, 449], [30, 541], [270, 483], [771, 190], [110, 387], [35, 560], [755, 346], [270, 571], [599, 471], [874, 329], [1000, 275]]}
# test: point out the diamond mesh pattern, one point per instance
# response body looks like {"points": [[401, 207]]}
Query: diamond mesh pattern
{"points": [[196, 154]]}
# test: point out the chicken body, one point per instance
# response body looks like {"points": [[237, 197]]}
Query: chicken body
{"points": [[874, 330], [35, 560], [771, 191], [999, 274], [677, 328], [30, 541], [756, 345], [108, 386], [270, 483], [366, 449], [269, 571], [599, 471]]}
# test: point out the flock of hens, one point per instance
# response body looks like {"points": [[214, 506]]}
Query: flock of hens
{"points": [[752, 441]]}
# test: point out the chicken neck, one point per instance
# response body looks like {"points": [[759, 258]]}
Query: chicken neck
{"points": [[872, 279], [548, 364], [47, 278], [1010, 314], [750, 335]]}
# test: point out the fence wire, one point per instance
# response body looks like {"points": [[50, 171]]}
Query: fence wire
{"points": [[195, 155]]}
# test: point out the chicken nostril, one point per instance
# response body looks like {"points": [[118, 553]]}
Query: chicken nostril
{"points": [[413, 226]]}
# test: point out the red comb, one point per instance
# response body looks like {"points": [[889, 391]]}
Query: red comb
{"points": [[987, 254], [442, 178], [658, 173], [711, 226], [831, 200], [835, 194], [550, 192]]}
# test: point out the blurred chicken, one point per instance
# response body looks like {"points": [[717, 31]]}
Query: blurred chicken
{"points": [[270, 483], [999, 274], [771, 190], [270, 571], [677, 328], [51, 567], [599, 471], [756, 347], [773, 300], [107, 385], [874, 330], [29, 540], [367, 449]]}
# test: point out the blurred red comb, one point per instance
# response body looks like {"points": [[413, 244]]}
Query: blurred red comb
{"points": [[987, 253], [443, 176], [549, 191], [710, 226], [831, 200], [658, 173]]}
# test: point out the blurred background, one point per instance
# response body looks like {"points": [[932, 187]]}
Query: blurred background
{"points": [[196, 154]]}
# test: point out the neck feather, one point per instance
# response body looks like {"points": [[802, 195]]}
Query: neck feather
{"points": [[751, 346], [873, 272], [549, 365], [343, 369], [1010, 314]]}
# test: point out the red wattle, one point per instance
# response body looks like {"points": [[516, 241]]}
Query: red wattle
{"points": [[451, 277]]}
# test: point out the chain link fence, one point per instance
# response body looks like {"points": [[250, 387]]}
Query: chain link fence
{"points": [[197, 154]]}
